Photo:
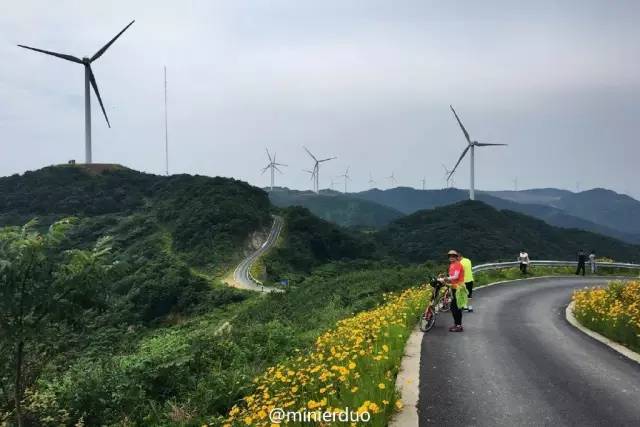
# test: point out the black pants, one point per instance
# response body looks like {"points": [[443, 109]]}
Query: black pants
{"points": [[455, 310], [581, 268], [523, 268], [469, 286]]}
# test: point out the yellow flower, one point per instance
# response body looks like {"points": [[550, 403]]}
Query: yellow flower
{"points": [[381, 386], [399, 404], [248, 420]]}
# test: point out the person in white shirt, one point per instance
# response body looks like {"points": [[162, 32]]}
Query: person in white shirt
{"points": [[592, 262], [524, 261]]}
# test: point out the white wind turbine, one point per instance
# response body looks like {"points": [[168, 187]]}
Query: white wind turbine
{"points": [[448, 176], [312, 177], [423, 181], [392, 179], [316, 169], [371, 182], [346, 178], [273, 165], [89, 79], [471, 146]]}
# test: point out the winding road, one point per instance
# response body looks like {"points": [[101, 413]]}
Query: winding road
{"points": [[520, 363], [241, 275]]}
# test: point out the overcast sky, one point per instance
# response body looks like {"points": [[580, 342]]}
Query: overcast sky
{"points": [[367, 81]]}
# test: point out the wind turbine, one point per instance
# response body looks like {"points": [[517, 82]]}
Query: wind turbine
{"points": [[471, 145], [89, 79], [346, 177], [448, 176], [316, 169], [423, 181], [371, 182], [392, 178], [273, 165], [312, 177]]}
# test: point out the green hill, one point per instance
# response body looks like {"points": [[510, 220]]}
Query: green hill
{"points": [[486, 234], [308, 242], [338, 208]]}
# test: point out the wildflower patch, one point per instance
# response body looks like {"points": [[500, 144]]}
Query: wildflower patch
{"points": [[613, 311], [351, 370]]}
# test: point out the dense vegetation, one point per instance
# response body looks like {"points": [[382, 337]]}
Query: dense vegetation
{"points": [[307, 242], [338, 208], [486, 234], [207, 220], [128, 323]]}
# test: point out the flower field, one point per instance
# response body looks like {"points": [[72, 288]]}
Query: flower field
{"points": [[613, 311], [351, 366]]}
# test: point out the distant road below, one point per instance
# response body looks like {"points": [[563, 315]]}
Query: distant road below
{"points": [[241, 275], [520, 363]]}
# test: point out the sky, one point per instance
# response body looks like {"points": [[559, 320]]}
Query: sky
{"points": [[367, 81]]}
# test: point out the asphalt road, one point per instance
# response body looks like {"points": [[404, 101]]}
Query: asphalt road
{"points": [[520, 363], [241, 273]]}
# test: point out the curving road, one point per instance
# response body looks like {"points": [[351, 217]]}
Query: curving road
{"points": [[241, 274], [520, 363]]}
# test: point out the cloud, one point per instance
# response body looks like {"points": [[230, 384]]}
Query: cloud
{"points": [[369, 82]]}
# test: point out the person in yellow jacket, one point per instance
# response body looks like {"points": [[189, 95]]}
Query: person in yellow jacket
{"points": [[468, 278]]}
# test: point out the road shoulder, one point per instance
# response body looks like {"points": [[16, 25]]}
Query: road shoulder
{"points": [[598, 337]]}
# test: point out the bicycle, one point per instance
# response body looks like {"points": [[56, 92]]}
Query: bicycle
{"points": [[437, 304]]}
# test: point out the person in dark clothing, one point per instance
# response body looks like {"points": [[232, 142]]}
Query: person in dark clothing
{"points": [[582, 261]]}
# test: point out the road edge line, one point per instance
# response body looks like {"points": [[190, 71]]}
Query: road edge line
{"points": [[408, 366], [626, 352]]}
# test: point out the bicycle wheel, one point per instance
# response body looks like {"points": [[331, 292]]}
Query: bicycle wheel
{"points": [[446, 302], [427, 320]]}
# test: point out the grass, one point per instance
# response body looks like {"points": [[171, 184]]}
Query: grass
{"points": [[613, 311], [513, 273]]}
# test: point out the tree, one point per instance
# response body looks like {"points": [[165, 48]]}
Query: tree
{"points": [[41, 284]]}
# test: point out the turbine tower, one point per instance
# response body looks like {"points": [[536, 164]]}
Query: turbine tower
{"points": [[471, 145], [392, 179], [346, 178], [448, 178], [312, 177], [371, 182], [316, 169], [423, 181], [89, 79], [273, 165]]}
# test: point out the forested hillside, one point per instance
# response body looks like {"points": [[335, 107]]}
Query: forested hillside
{"points": [[486, 234], [308, 242]]}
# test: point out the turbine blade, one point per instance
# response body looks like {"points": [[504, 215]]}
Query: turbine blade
{"points": [[466, 134], [327, 159], [484, 144], [264, 170], [280, 164], [276, 168], [58, 55], [269, 155], [309, 153], [99, 53], [92, 79], [459, 160]]}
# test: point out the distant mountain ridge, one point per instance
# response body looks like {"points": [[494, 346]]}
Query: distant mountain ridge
{"points": [[337, 208], [488, 234], [560, 208]]}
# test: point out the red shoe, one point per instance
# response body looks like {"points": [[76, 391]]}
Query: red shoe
{"points": [[457, 328]]}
